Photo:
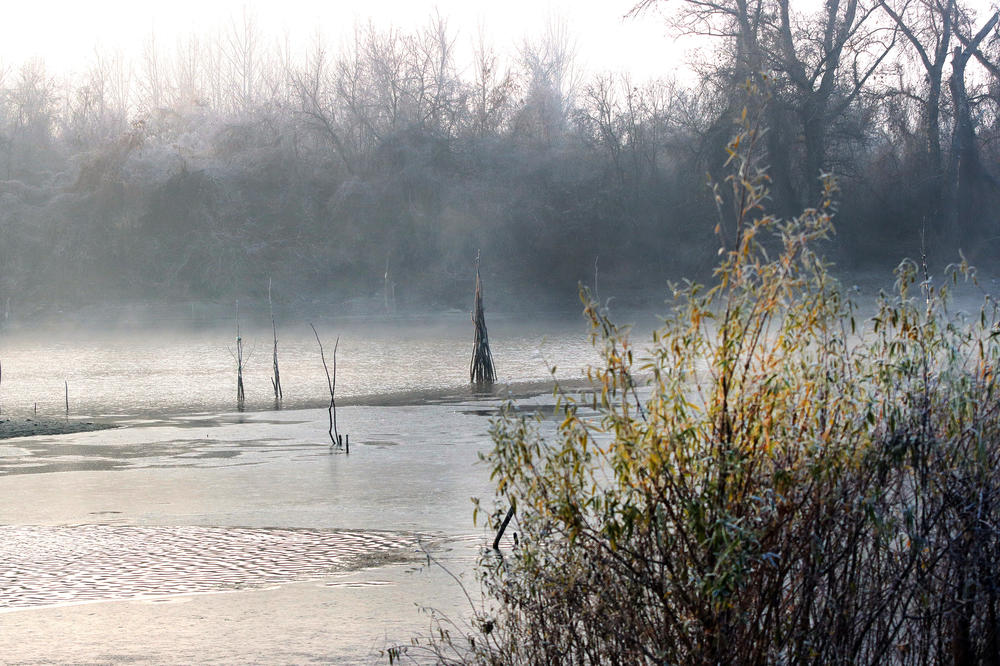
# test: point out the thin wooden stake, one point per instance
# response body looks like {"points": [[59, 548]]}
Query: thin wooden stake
{"points": [[66, 385]]}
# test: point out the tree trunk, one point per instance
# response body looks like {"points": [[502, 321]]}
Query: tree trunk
{"points": [[964, 167]]}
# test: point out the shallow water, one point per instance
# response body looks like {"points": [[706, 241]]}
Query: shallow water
{"points": [[239, 537], [54, 565], [163, 371], [198, 533]]}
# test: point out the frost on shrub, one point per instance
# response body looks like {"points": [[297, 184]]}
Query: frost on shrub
{"points": [[774, 481]]}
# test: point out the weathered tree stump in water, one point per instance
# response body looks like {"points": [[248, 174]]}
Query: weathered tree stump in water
{"points": [[481, 371]]}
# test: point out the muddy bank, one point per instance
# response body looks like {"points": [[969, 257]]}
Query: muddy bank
{"points": [[30, 427]]}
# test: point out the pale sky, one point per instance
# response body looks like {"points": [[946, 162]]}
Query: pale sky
{"points": [[64, 34]]}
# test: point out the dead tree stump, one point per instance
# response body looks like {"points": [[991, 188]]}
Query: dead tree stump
{"points": [[482, 372]]}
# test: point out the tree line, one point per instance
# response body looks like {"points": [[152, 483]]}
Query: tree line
{"points": [[197, 171]]}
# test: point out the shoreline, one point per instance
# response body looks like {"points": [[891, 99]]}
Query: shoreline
{"points": [[165, 504], [11, 427], [24, 426]]}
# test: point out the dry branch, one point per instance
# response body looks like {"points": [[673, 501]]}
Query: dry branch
{"points": [[331, 384], [240, 363], [276, 379]]}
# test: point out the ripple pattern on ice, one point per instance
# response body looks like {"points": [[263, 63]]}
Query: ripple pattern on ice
{"points": [[42, 566]]}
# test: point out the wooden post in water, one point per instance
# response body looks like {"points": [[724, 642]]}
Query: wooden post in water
{"points": [[481, 370], [66, 385]]}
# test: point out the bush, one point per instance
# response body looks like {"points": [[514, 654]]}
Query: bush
{"points": [[782, 486]]}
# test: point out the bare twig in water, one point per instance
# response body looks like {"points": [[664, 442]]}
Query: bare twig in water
{"points": [[331, 384], [276, 379], [503, 527], [241, 361]]}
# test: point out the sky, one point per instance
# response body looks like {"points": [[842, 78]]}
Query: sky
{"points": [[64, 34]]}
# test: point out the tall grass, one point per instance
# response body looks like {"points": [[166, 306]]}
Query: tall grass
{"points": [[791, 485]]}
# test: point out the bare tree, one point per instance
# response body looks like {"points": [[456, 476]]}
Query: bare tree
{"points": [[493, 90], [552, 82], [152, 77], [828, 62], [602, 112], [928, 27], [436, 91], [242, 51], [318, 104], [191, 60], [821, 63], [965, 168], [331, 383]]}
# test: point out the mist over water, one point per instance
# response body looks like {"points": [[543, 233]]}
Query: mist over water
{"points": [[154, 371], [355, 181]]}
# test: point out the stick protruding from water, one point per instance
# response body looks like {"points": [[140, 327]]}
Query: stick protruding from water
{"points": [[331, 383], [276, 379]]}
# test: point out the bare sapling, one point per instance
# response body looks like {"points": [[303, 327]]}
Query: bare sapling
{"points": [[481, 371], [276, 379], [331, 384], [241, 362]]}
